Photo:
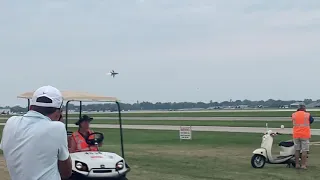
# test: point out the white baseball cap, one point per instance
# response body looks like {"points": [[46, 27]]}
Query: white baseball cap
{"points": [[50, 92]]}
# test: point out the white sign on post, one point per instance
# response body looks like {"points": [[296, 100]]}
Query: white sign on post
{"points": [[185, 132]]}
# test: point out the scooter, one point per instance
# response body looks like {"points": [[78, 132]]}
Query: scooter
{"points": [[263, 155]]}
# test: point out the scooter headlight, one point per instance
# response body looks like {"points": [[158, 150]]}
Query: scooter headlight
{"points": [[119, 165]]}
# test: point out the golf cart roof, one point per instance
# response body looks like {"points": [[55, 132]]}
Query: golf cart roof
{"points": [[76, 96]]}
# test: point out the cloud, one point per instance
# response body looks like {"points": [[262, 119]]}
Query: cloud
{"points": [[196, 41], [246, 28]]}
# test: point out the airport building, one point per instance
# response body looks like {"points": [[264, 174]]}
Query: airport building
{"points": [[296, 104], [313, 105]]}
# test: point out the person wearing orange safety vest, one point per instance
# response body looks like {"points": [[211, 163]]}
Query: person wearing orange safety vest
{"points": [[78, 139], [301, 120]]}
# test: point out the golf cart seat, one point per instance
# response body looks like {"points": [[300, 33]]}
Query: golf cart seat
{"points": [[286, 143]]}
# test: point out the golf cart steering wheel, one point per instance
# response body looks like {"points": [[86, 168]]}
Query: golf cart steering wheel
{"points": [[97, 139]]}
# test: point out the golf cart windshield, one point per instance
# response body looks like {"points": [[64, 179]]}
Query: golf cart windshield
{"points": [[69, 96]]}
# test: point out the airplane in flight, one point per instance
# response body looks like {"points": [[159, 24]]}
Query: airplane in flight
{"points": [[112, 73]]}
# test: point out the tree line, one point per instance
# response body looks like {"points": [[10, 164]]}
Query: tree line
{"points": [[271, 103]]}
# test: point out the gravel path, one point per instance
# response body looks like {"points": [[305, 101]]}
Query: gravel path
{"points": [[201, 128]]}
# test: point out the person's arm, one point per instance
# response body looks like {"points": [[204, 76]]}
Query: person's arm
{"points": [[73, 145], [1, 148], [64, 160], [311, 119], [4, 130], [2, 137]]}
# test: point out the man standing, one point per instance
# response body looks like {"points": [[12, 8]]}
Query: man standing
{"points": [[35, 145], [301, 135]]}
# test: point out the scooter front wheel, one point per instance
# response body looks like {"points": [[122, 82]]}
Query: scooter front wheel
{"points": [[258, 161]]}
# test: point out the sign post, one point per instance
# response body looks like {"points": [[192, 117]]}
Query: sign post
{"points": [[267, 127], [185, 132]]}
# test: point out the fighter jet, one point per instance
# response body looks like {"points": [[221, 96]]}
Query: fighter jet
{"points": [[112, 73]]}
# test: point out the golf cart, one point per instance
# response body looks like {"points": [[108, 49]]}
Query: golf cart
{"points": [[93, 164]]}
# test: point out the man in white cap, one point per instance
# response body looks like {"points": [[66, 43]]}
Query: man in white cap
{"points": [[35, 145]]}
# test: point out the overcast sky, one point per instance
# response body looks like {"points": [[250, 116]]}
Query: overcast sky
{"points": [[164, 50]]}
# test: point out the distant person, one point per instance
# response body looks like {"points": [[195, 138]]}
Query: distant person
{"points": [[78, 139], [35, 145], [301, 120]]}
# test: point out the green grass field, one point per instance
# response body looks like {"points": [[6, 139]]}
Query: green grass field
{"points": [[271, 124], [203, 114], [159, 155]]}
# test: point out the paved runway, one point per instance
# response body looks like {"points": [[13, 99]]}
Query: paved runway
{"points": [[194, 118], [196, 128], [202, 128]]}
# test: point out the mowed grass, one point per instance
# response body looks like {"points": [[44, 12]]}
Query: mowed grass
{"points": [[221, 113], [160, 155], [230, 123], [271, 124]]}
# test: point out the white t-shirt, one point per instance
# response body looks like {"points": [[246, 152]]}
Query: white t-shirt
{"points": [[32, 145]]}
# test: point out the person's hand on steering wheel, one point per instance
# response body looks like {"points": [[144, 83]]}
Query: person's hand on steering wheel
{"points": [[94, 139]]}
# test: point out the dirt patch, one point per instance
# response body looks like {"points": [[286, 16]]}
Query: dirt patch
{"points": [[4, 174]]}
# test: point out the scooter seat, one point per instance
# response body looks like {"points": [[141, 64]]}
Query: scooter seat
{"points": [[286, 143]]}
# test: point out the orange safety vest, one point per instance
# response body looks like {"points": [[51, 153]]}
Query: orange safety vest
{"points": [[301, 125], [81, 142]]}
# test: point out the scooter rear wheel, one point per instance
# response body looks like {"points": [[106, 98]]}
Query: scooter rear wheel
{"points": [[258, 161]]}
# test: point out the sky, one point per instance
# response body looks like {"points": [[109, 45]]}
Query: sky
{"points": [[164, 50]]}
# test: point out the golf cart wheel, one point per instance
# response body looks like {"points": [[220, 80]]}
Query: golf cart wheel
{"points": [[258, 161], [293, 164]]}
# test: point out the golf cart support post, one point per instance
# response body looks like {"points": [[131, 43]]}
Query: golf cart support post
{"points": [[70, 96]]}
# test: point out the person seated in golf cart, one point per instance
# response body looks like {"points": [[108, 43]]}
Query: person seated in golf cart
{"points": [[78, 139]]}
